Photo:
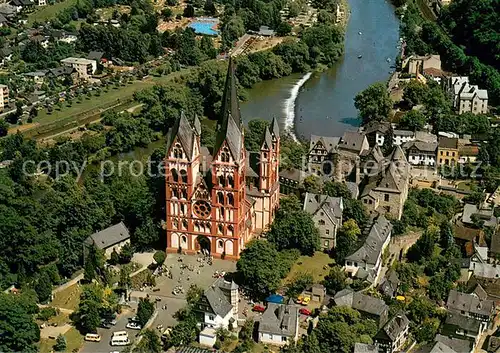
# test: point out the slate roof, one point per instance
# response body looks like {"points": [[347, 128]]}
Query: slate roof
{"points": [[495, 243], [486, 270], [458, 345], [370, 305], [328, 142], [446, 142], [190, 349], [110, 236], [377, 126], [394, 327], [440, 347], [61, 71], [458, 301], [267, 140], [372, 247], [185, 134], [292, 174], [217, 300], [365, 348], [390, 284], [403, 133], [3, 19], [279, 319], [228, 127], [344, 297], [421, 146], [465, 323], [353, 188], [483, 214], [197, 125], [353, 141], [95, 55], [274, 128], [332, 207]]}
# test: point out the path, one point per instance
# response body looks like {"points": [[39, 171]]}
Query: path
{"points": [[68, 284], [62, 310], [54, 331]]}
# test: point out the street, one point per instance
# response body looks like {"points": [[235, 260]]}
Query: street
{"points": [[104, 346]]}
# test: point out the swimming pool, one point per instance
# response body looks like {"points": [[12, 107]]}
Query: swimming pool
{"points": [[205, 27]]}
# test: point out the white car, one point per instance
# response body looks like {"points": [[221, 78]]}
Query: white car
{"points": [[134, 325]]}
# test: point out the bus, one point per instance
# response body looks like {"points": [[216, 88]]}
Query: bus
{"points": [[92, 337], [120, 334], [120, 341]]}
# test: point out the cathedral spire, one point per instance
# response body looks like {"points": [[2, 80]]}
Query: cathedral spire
{"points": [[230, 104]]}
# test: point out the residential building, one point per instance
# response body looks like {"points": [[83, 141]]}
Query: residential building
{"points": [[421, 153], [461, 326], [390, 284], [42, 40], [96, 55], [3, 21], [470, 306], [376, 132], [219, 305], [238, 193], [42, 2], [316, 292], [366, 262], [417, 64], [453, 344], [387, 192], [483, 214], [5, 54], [365, 348], [110, 239], [468, 153], [321, 154], [399, 137], [23, 5], [291, 181], [466, 97], [372, 162], [84, 67], [4, 96], [8, 11], [326, 212], [370, 307], [351, 147], [279, 324], [394, 334], [447, 151]]}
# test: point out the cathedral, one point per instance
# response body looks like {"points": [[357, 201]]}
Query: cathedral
{"points": [[217, 200]]}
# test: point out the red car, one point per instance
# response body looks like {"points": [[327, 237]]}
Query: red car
{"points": [[304, 311], [259, 308]]}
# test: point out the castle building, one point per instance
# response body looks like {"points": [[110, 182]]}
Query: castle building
{"points": [[216, 201]]}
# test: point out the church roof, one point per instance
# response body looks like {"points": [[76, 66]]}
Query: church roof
{"points": [[229, 125], [197, 125], [275, 129], [267, 139], [184, 132]]}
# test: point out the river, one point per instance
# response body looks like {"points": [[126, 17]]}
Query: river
{"points": [[324, 104]]}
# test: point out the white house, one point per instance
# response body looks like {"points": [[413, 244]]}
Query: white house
{"points": [[400, 137], [366, 262], [109, 239], [219, 305], [421, 153], [84, 67], [279, 324]]}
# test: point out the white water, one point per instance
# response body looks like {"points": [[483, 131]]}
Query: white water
{"points": [[289, 106]]}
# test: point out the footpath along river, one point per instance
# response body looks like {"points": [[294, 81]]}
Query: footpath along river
{"points": [[323, 103]]}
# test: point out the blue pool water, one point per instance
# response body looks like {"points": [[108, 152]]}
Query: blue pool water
{"points": [[205, 27]]}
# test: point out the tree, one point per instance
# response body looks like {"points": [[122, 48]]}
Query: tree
{"points": [[258, 268], [144, 311], [150, 343], [209, 8], [126, 254], [160, 257], [415, 93], [354, 209], [427, 331], [114, 258], [167, 13], [44, 287], [254, 134], [300, 282], [19, 331], [60, 345], [194, 294], [4, 128], [413, 120], [346, 240], [188, 11], [94, 263], [335, 280], [336, 189], [423, 248], [294, 230], [312, 183], [373, 103], [283, 29]]}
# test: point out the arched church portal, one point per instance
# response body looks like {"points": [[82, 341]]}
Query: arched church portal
{"points": [[204, 244]]}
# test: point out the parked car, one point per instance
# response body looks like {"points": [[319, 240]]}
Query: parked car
{"points": [[259, 308], [134, 325], [305, 311]]}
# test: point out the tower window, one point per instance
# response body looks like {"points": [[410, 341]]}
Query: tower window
{"points": [[221, 244], [184, 176], [220, 197], [222, 180], [175, 175], [230, 199], [230, 181]]}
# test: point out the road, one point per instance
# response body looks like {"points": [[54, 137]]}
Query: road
{"points": [[104, 346]]}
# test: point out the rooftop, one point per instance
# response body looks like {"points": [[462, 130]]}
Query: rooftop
{"points": [[110, 236], [446, 142], [458, 301], [280, 319], [78, 61]]}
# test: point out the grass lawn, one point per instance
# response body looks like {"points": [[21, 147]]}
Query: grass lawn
{"points": [[67, 298], [317, 266], [74, 341], [42, 14], [464, 185]]}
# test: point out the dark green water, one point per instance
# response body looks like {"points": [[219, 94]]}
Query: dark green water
{"points": [[324, 104]]}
